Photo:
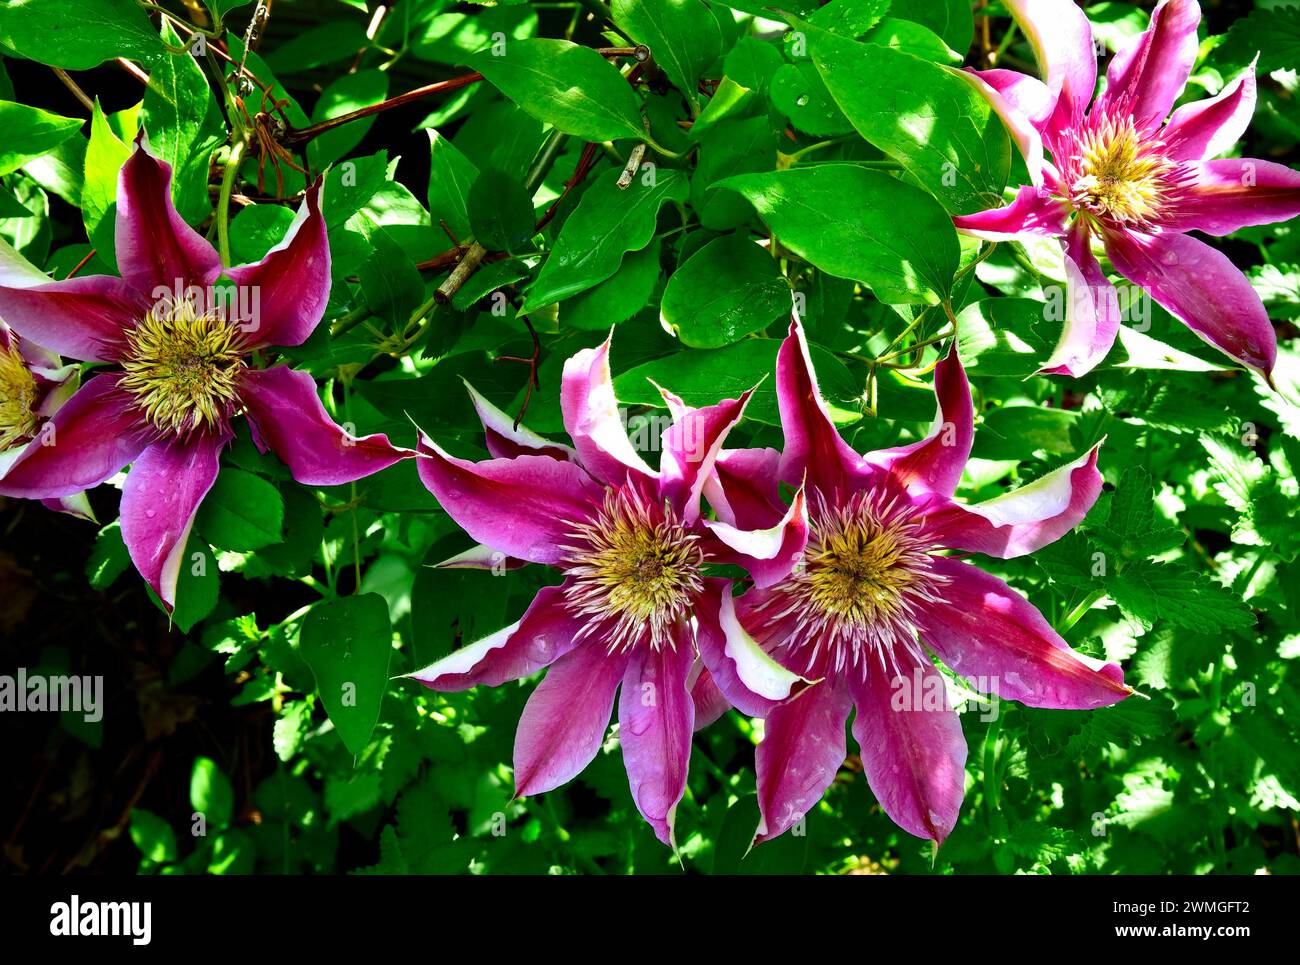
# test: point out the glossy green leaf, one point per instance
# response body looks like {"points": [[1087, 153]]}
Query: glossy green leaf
{"points": [[347, 643], [726, 290]]}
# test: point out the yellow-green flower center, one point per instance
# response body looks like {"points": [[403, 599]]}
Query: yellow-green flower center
{"points": [[855, 591], [1117, 175], [183, 367], [634, 570], [18, 418]]}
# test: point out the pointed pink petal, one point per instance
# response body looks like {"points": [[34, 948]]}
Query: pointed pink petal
{"points": [[82, 318], [480, 557], [936, 462], [525, 507], [690, 447], [592, 420], [768, 554], [1092, 314], [505, 441], [1061, 38], [1147, 76], [163, 491], [991, 635], [95, 434], [813, 447], [1024, 520], [656, 718], [288, 417], [913, 751], [802, 749], [1034, 214], [565, 719], [1235, 193], [1023, 103], [709, 702], [750, 680], [282, 298], [1210, 127], [155, 248], [1202, 289], [544, 634], [744, 488]]}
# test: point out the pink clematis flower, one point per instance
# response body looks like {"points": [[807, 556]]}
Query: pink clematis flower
{"points": [[874, 593], [1121, 174], [34, 384], [635, 599], [179, 346]]}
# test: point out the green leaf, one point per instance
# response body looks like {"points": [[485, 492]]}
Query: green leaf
{"points": [[1153, 592], [153, 836], [241, 512], [30, 132], [109, 558], [1018, 431], [291, 729], [845, 220], [1007, 337], [1132, 529], [799, 93], [344, 95], [607, 223], [726, 290], [392, 284], [927, 117], [1273, 34], [347, 643], [703, 376], [105, 156], [618, 297], [682, 35], [198, 587], [572, 88], [211, 793], [184, 125], [78, 34], [451, 175], [500, 212]]}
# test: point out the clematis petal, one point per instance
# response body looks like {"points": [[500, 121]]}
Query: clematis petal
{"points": [[744, 488], [157, 252], [505, 440], [282, 298], [1034, 213], [768, 554], [1147, 76], [746, 675], [913, 751], [1092, 313], [1023, 103], [996, 639], [565, 719], [1202, 289], [710, 704], [524, 507], [592, 420], [480, 557], [288, 417], [163, 491], [802, 749], [82, 318], [544, 634], [95, 434], [814, 452], [1235, 193], [936, 462], [1061, 38], [656, 718], [1024, 520], [690, 447], [1206, 128]]}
